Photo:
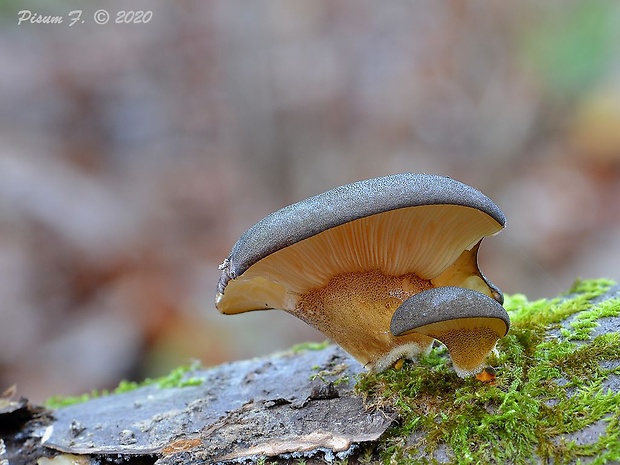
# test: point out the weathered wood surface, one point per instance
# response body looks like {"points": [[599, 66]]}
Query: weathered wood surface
{"points": [[291, 405], [269, 406]]}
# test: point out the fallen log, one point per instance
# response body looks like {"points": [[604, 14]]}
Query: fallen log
{"points": [[550, 395]]}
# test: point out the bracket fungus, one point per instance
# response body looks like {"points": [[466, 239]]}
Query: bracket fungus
{"points": [[343, 261], [467, 322]]}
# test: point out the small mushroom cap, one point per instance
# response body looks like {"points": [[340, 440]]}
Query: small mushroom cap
{"points": [[449, 306], [344, 260], [468, 322]]}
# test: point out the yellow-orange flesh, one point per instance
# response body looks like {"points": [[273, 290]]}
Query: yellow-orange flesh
{"points": [[354, 309], [347, 281], [469, 340], [424, 240]]}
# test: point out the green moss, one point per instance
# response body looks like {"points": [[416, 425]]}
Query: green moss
{"points": [[304, 346], [549, 385], [55, 402], [176, 378]]}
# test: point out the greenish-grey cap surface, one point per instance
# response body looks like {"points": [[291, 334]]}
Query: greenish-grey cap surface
{"points": [[343, 204], [442, 304]]}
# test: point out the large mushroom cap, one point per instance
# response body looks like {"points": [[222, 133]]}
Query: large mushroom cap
{"points": [[467, 322], [344, 260], [362, 199]]}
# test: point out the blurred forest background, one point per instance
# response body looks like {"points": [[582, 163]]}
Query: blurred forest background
{"points": [[132, 157]]}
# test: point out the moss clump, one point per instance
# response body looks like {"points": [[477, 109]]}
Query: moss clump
{"points": [[305, 346], [551, 374], [176, 378]]}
